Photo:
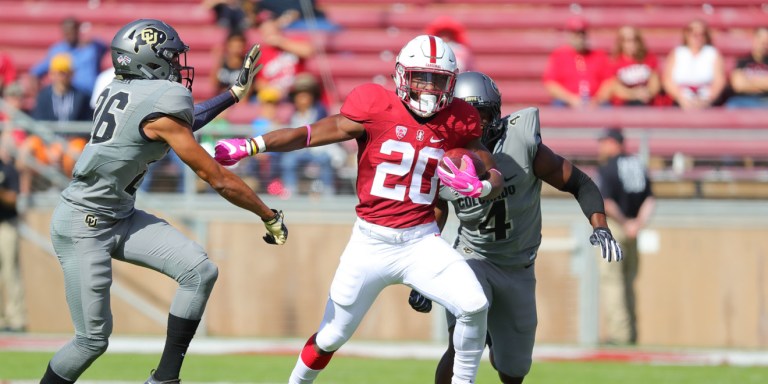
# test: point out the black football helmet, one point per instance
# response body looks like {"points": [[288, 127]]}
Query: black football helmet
{"points": [[151, 49], [479, 90]]}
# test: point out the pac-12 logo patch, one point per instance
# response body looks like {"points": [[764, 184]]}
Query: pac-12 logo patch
{"points": [[420, 135], [400, 132], [91, 220], [150, 36]]}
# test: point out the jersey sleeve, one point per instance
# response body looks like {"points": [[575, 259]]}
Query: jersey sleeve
{"points": [[176, 102], [364, 102], [527, 123]]}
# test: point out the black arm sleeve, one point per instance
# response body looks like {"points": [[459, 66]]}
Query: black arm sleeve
{"points": [[209, 109], [586, 193]]}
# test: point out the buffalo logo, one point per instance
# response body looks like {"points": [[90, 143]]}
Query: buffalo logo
{"points": [[150, 36], [91, 220], [123, 60], [400, 131]]}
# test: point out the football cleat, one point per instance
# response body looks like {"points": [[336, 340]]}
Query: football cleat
{"points": [[152, 380]]}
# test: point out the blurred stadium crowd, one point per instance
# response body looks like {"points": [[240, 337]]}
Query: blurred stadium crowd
{"points": [[672, 65]]}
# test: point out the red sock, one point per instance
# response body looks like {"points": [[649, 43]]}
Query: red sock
{"points": [[311, 358]]}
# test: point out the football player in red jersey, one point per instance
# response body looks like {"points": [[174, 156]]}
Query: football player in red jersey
{"points": [[401, 137]]}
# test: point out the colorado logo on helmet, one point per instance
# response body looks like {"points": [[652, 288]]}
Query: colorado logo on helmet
{"points": [[150, 36]]}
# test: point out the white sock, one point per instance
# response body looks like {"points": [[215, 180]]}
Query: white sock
{"points": [[302, 374]]}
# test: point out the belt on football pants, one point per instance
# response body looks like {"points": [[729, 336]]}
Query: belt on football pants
{"points": [[396, 235]]}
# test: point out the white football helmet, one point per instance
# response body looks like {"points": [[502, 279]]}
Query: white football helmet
{"points": [[425, 74]]}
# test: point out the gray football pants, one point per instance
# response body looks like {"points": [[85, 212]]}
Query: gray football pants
{"points": [[85, 246]]}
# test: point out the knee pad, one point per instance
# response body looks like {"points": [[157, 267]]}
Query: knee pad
{"points": [[92, 348], [202, 275], [472, 304]]}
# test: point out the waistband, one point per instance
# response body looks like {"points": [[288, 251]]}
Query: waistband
{"points": [[396, 235]]}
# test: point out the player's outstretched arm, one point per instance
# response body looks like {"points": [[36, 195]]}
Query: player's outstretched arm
{"points": [[561, 174], [178, 135], [332, 129], [208, 110]]}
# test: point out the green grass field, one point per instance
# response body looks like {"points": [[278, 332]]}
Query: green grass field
{"points": [[344, 369]]}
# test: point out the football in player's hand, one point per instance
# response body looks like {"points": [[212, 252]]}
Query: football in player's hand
{"points": [[456, 154]]}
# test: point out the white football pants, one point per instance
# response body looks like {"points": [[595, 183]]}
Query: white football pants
{"points": [[376, 257]]}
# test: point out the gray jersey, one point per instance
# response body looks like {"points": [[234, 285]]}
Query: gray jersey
{"points": [[506, 229], [113, 164]]}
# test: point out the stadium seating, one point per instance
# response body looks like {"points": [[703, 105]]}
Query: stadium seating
{"points": [[511, 40]]}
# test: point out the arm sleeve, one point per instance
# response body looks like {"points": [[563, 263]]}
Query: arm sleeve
{"points": [[586, 193], [209, 109]]}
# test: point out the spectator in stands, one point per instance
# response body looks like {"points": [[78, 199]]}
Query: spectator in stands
{"points": [[636, 79], [575, 72], [629, 203], [694, 72], [86, 57], [227, 62], [454, 33], [60, 102], [13, 137], [12, 312], [749, 79], [305, 97], [7, 70], [305, 14], [282, 56], [233, 15]]}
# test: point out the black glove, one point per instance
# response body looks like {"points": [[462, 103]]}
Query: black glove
{"points": [[419, 302], [608, 246], [277, 232]]}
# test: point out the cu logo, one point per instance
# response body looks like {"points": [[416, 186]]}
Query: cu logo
{"points": [[90, 220], [149, 36]]}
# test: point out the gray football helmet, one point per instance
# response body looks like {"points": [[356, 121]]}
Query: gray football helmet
{"points": [[478, 89], [151, 49]]}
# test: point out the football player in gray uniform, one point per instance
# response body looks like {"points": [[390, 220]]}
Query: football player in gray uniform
{"points": [[500, 237], [142, 114]]}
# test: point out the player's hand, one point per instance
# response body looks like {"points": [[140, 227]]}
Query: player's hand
{"points": [[247, 72], [419, 302], [465, 182], [608, 246], [228, 152], [277, 232]]}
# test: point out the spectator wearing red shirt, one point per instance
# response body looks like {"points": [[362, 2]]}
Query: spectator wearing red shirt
{"points": [[575, 72], [282, 56], [7, 71], [636, 79]]}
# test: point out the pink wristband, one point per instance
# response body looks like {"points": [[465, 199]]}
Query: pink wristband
{"points": [[309, 134]]}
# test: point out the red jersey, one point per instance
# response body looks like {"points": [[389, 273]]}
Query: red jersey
{"points": [[579, 73], [398, 156], [632, 73]]}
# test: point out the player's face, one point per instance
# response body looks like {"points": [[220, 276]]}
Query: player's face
{"points": [[486, 116]]}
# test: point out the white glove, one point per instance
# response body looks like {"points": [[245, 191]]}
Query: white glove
{"points": [[247, 73]]}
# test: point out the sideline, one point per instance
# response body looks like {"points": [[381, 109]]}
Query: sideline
{"points": [[399, 350]]}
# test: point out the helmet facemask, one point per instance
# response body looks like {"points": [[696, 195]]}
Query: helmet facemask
{"points": [[426, 91], [425, 75]]}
